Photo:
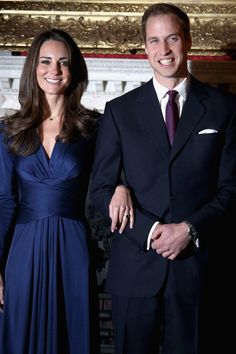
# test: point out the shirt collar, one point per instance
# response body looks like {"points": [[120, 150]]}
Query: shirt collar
{"points": [[182, 88]]}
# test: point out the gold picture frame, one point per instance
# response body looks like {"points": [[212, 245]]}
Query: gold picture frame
{"points": [[114, 26]]}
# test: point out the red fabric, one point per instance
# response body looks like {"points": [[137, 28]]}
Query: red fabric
{"points": [[144, 56]]}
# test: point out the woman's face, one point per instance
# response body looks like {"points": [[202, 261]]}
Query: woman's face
{"points": [[53, 74]]}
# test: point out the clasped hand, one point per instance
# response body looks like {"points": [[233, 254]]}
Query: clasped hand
{"points": [[169, 240]]}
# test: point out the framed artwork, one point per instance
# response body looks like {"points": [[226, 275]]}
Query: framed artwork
{"points": [[105, 26]]}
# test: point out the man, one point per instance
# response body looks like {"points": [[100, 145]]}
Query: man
{"points": [[183, 191]]}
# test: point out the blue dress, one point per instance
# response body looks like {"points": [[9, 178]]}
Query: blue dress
{"points": [[46, 308]]}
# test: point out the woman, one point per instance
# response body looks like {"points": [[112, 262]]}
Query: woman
{"points": [[46, 151]]}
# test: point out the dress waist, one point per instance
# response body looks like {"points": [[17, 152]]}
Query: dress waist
{"points": [[44, 201]]}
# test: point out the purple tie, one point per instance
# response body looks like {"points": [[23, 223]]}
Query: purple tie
{"points": [[172, 115]]}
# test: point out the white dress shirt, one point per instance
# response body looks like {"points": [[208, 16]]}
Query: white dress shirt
{"points": [[182, 88]]}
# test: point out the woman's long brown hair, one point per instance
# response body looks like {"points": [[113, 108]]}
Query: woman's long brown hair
{"points": [[20, 128]]}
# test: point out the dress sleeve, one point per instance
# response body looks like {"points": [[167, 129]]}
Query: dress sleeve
{"points": [[7, 196]]}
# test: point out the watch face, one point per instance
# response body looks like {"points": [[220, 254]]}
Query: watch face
{"points": [[193, 234], [191, 230]]}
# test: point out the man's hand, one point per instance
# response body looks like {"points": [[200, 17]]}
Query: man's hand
{"points": [[170, 239]]}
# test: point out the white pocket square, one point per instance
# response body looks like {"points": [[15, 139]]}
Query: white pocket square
{"points": [[208, 131]]}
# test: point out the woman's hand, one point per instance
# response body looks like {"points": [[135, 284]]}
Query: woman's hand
{"points": [[121, 209], [1, 293]]}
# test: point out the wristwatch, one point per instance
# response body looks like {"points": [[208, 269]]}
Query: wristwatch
{"points": [[192, 233]]}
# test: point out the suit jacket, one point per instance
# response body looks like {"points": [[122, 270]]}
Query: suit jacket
{"points": [[195, 180]]}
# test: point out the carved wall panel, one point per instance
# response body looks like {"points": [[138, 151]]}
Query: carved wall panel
{"points": [[114, 26]]}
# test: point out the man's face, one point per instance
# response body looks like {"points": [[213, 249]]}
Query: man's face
{"points": [[167, 48]]}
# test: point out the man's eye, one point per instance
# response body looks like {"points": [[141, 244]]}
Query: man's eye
{"points": [[154, 41], [173, 39]]}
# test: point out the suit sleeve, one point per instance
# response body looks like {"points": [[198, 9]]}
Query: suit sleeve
{"points": [[106, 174], [107, 163]]}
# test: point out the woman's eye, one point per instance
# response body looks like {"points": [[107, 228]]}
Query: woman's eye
{"points": [[64, 63], [45, 61]]}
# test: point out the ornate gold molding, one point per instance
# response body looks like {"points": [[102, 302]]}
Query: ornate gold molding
{"points": [[114, 27]]}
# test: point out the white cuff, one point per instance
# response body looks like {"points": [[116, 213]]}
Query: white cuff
{"points": [[150, 235]]}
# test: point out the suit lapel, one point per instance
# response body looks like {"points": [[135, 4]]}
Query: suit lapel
{"points": [[150, 117], [193, 111]]}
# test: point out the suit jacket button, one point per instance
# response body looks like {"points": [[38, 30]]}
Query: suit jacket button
{"points": [[172, 196]]}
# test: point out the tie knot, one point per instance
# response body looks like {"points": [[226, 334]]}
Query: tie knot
{"points": [[172, 94]]}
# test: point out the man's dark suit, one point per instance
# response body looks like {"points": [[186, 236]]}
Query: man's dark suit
{"points": [[195, 180]]}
